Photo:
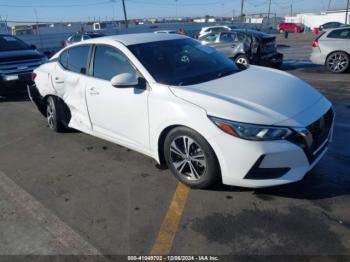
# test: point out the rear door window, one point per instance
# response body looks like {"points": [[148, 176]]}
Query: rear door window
{"points": [[340, 34], [75, 59], [227, 37], [109, 62]]}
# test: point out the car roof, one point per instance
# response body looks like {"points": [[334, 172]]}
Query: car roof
{"points": [[214, 26], [338, 28], [133, 39], [253, 32]]}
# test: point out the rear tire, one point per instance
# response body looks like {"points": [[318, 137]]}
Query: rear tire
{"points": [[53, 114], [338, 62], [190, 158]]}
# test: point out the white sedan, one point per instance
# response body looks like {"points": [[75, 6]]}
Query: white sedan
{"points": [[188, 107]]}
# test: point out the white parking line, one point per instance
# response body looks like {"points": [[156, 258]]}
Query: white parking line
{"points": [[65, 235]]}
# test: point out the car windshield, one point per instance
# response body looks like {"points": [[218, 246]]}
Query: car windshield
{"points": [[183, 61], [10, 43]]}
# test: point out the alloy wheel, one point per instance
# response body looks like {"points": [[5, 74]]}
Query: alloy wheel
{"points": [[242, 61], [338, 62], [50, 113], [188, 158]]}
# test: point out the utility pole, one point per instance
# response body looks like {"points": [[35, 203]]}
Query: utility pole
{"points": [[242, 6], [329, 4], [268, 14], [125, 18], [291, 8], [176, 10], [347, 12]]}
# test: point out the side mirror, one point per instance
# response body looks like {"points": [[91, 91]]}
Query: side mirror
{"points": [[125, 80], [33, 47]]}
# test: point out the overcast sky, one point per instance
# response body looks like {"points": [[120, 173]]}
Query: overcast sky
{"points": [[81, 10]]}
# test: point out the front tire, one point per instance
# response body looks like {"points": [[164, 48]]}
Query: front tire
{"points": [[190, 158], [53, 115], [338, 62]]}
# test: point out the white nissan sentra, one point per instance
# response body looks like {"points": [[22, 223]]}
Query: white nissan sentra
{"points": [[188, 107]]}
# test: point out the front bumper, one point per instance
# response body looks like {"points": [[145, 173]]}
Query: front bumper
{"points": [[267, 163], [318, 58], [14, 83]]}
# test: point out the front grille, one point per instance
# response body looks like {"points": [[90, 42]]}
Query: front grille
{"points": [[320, 130], [315, 140], [19, 67]]}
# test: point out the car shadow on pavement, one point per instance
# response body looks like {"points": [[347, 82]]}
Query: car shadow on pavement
{"points": [[290, 64], [15, 98], [314, 186], [282, 46]]}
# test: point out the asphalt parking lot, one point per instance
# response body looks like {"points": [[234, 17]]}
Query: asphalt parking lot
{"points": [[70, 193]]}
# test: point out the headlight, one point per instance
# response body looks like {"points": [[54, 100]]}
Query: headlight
{"points": [[251, 132]]}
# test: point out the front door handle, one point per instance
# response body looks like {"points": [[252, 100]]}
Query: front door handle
{"points": [[93, 91]]}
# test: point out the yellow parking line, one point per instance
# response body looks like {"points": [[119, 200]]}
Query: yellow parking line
{"points": [[168, 229]]}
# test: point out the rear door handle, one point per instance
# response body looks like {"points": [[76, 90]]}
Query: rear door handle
{"points": [[59, 80], [93, 91]]}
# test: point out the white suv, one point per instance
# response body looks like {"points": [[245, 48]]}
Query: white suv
{"points": [[187, 106], [332, 48]]}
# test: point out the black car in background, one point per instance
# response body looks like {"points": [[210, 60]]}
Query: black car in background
{"points": [[330, 25], [17, 62]]}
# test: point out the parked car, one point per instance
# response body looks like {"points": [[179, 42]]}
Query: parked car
{"points": [[245, 46], [330, 25], [187, 106], [166, 32], [332, 48], [290, 27], [77, 37], [17, 61], [212, 29]]}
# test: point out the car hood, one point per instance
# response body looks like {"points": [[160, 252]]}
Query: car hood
{"points": [[8, 56], [256, 95]]}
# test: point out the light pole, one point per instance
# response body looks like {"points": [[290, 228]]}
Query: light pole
{"points": [[347, 13], [125, 17], [176, 9], [268, 14], [242, 6]]}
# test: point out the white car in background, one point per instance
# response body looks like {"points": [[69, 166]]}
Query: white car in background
{"points": [[332, 49], [213, 29], [165, 32], [187, 106]]}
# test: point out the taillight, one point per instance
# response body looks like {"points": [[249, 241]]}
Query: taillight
{"points": [[315, 42], [33, 76]]}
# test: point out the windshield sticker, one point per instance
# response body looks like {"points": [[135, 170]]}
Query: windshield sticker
{"points": [[207, 49], [9, 38]]}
